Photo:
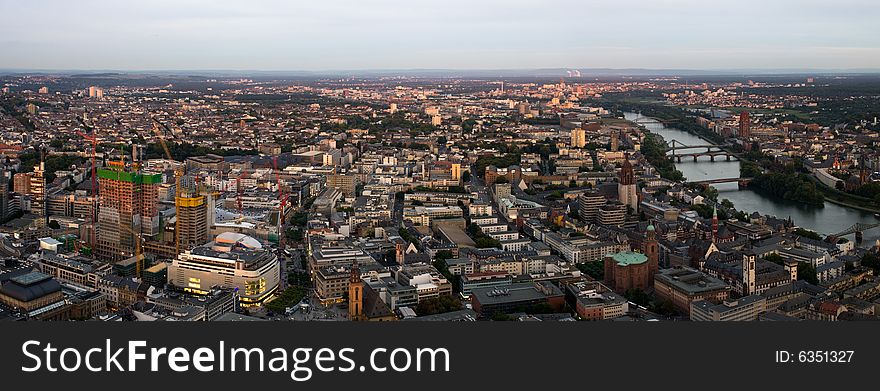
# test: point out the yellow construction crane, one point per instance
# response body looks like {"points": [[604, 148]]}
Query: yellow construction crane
{"points": [[178, 172]]}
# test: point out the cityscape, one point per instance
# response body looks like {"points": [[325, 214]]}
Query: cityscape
{"points": [[147, 197], [488, 161]]}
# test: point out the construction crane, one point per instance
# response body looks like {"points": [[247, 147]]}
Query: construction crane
{"points": [[94, 191], [238, 194], [178, 172], [138, 250], [283, 201]]}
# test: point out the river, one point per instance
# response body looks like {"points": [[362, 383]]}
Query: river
{"points": [[826, 220]]}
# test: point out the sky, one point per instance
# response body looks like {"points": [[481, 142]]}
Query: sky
{"points": [[316, 35]]}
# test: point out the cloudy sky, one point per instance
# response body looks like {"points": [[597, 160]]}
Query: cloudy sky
{"points": [[450, 34]]}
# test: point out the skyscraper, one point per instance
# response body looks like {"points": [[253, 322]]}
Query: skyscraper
{"points": [[4, 192], [745, 130], [626, 187], [38, 192], [128, 208], [192, 221]]}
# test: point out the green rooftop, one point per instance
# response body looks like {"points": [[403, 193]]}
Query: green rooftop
{"points": [[119, 175], [629, 258]]}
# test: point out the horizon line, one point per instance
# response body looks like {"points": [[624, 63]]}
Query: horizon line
{"points": [[585, 71]]}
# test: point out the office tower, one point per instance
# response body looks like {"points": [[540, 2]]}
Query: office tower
{"points": [[626, 187], [436, 120], [745, 130], [21, 182], [578, 137], [128, 211], [4, 193], [38, 192], [456, 171], [392, 108], [347, 184], [613, 214], [192, 221], [589, 204]]}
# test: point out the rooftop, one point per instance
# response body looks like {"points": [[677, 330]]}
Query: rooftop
{"points": [[627, 258]]}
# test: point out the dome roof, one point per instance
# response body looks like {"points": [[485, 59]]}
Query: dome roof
{"points": [[233, 238]]}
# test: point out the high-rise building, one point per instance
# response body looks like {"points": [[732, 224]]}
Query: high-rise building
{"points": [[347, 184], [96, 92], [578, 137], [612, 215], [38, 192], [745, 123], [192, 221], [589, 204], [21, 182], [128, 211], [627, 193], [4, 193]]}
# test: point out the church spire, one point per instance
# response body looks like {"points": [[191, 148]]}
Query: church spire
{"points": [[714, 223]]}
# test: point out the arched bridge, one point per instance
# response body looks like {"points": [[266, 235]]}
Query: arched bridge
{"points": [[649, 120], [677, 151], [857, 229], [742, 182]]}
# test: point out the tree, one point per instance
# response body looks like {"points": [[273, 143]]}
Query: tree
{"points": [[438, 305], [807, 233], [54, 225], [726, 203], [775, 258], [287, 298], [502, 179], [487, 242], [444, 255], [499, 316], [466, 176], [807, 272], [595, 269], [637, 296]]}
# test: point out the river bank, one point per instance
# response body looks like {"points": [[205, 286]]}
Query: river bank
{"points": [[831, 195], [829, 219]]}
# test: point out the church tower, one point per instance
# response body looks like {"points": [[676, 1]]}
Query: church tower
{"points": [[355, 294], [652, 250], [714, 224], [626, 186]]}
